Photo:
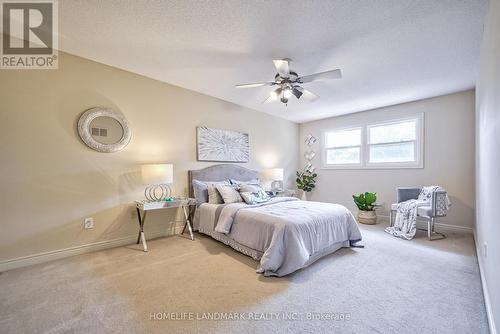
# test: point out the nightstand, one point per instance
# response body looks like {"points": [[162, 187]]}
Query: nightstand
{"points": [[145, 206]]}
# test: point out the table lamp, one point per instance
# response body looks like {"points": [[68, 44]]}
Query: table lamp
{"points": [[157, 178], [275, 175]]}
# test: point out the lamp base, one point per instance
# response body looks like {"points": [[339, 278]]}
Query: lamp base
{"points": [[157, 192], [277, 186]]}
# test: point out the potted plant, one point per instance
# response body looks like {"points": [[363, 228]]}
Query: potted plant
{"points": [[306, 181], [366, 205]]}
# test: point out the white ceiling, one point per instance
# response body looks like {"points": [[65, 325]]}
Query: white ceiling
{"points": [[390, 51]]}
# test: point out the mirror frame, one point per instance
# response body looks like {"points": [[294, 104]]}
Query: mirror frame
{"points": [[86, 135]]}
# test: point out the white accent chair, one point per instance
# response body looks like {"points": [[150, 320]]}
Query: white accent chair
{"points": [[437, 208]]}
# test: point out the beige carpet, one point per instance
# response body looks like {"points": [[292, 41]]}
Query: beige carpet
{"points": [[391, 286]]}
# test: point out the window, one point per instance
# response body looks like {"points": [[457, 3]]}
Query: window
{"points": [[394, 143], [343, 147], [391, 144]]}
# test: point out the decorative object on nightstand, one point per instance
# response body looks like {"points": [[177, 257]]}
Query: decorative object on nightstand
{"points": [[176, 202], [366, 205], [275, 177], [157, 177]]}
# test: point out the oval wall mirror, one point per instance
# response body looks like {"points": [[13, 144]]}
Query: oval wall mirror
{"points": [[104, 130]]}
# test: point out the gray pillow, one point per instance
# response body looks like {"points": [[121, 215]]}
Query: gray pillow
{"points": [[251, 188], [237, 182], [229, 193], [200, 189], [214, 196]]}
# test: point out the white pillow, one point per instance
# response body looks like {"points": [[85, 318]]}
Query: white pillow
{"points": [[229, 193]]}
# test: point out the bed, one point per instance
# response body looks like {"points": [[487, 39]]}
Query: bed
{"points": [[284, 234]]}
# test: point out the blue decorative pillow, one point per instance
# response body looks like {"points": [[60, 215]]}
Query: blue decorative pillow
{"points": [[255, 197]]}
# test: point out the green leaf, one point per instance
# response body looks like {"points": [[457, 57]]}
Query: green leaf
{"points": [[370, 198], [365, 202]]}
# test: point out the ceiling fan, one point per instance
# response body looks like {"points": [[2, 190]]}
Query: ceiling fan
{"points": [[289, 83]]}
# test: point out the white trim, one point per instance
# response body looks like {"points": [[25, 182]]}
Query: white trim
{"points": [[486, 294], [324, 148], [454, 227], [419, 144], [77, 250], [448, 227]]}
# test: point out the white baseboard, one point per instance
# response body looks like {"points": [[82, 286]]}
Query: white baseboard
{"points": [[76, 250], [489, 311], [448, 227]]}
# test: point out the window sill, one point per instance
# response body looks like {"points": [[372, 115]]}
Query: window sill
{"points": [[371, 167]]}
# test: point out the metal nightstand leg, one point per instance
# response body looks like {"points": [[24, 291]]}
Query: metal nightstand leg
{"points": [[188, 223], [141, 237]]}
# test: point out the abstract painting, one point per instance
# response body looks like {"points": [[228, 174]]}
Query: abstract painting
{"points": [[222, 145]]}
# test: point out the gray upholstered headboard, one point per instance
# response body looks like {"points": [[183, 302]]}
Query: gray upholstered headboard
{"points": [[221, 172]]}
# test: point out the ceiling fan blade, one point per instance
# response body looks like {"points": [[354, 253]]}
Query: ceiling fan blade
{"points": [[307, 94], [282, 67], [268, 100], [256, 84], [334, 74]]}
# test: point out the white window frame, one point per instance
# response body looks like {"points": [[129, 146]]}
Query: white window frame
{"points": [[418, 163], [324, 149], [365, 147]]}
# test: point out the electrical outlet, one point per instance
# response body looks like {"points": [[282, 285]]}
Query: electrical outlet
{"points": [[89, 223], [485, 250]]}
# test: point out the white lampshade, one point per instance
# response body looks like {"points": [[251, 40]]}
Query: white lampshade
{"points": [[157, 174], [274, 174]]}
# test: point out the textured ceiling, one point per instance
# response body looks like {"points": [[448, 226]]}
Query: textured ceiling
{"points": [[390, 51]]}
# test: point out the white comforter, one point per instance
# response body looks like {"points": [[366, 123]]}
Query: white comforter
{"points": [[289, 232]]}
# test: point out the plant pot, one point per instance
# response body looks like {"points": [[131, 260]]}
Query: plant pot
{"points": [[303, 196], [367, 217]]}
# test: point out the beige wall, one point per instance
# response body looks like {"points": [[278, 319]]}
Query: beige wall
{"points": [[50, 181], [488, 162], [448, 160]]}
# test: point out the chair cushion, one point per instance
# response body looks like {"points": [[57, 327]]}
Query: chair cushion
{"points": [[422, 209], [425, 211]]}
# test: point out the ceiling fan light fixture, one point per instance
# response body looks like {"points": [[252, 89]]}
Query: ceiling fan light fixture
{"points": [[275, 94], [289, 83]]}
